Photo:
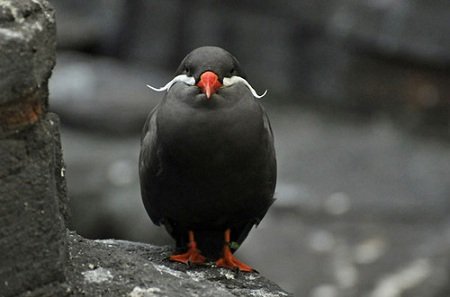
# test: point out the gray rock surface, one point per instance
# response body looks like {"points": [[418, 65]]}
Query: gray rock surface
{"points": [[32, 189], [32, 208], [124, 268], [27, 42]]}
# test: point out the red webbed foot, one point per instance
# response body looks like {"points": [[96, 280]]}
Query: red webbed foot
{"points": [[192, 256], [228, 260]]}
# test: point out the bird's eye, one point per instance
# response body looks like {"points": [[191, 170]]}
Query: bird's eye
{"points": [[187, 71], [232, 71]]}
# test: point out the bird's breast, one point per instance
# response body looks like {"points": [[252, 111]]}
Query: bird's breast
{"points": [[215, 134]]}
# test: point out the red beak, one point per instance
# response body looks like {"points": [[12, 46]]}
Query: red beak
{"points": [[209, 83]]}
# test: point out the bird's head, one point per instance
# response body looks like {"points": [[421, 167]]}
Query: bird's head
{"points": [[209, 68]]}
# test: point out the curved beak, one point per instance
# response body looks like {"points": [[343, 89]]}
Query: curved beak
{"points": [[209, 83]]}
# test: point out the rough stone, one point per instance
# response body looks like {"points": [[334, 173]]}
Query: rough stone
{"points": [[27, 42], [32, 190], [32, 196], [27, 55], [123, 268]]}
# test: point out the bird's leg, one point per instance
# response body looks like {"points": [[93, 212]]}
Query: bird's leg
{"points": [[230, 261], [192, 255]]}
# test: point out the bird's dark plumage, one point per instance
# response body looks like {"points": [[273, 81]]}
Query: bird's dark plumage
{"points": [[207, 164]]}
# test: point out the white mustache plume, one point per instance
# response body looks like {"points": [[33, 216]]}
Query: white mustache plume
{"points": [[189, 80], [235, 79]]}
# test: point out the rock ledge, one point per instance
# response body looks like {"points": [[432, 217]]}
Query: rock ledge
{"points": [[123, 268]]}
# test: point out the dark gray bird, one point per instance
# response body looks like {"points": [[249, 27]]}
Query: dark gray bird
{"points": [[207, 163]]}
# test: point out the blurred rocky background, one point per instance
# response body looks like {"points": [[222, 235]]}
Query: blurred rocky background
{"points": [[359, 98]]}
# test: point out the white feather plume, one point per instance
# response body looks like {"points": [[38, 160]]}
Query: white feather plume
{"points": [[189, 80], [229, 81]]}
